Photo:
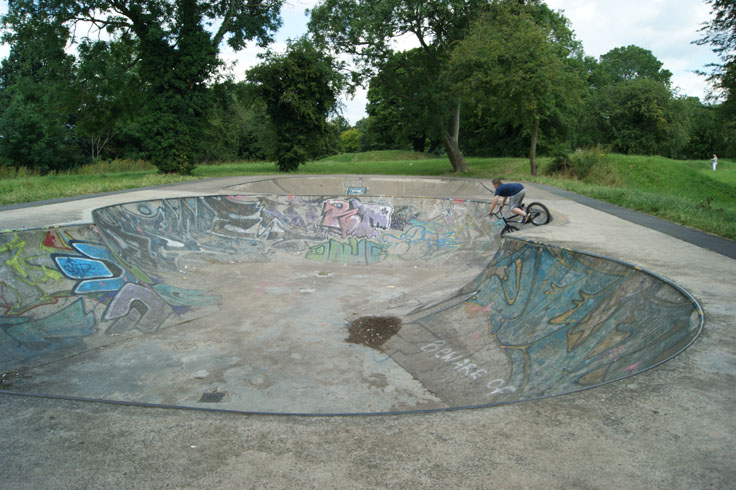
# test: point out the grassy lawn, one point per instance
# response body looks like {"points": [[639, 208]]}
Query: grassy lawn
{"points": [[686, 192]]}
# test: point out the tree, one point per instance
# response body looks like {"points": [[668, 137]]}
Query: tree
{"points": [[720, 33], [513, 65], [350, 140], [300, 89], [704, 129], [107, 90], [638, 117], [365, 30], [631, 108], [337, 125], [401, 105], [629, 63], [237, 124], [36, 124], [178, 44]]}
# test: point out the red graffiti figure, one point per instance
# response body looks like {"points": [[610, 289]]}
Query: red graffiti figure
{"points": [[338, 215], [355, 218]]}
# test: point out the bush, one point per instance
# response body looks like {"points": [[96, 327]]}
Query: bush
{"points": [[580, 164], [350, 141]]}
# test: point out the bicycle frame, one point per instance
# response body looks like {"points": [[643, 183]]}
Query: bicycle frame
{"points": [[536, 211], [508, 223]]}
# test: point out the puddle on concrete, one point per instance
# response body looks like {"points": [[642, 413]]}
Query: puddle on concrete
{"points": [[373, 331]]}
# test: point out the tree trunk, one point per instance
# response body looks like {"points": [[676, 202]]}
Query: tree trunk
{"points": [[533, 148], [452, 143]]}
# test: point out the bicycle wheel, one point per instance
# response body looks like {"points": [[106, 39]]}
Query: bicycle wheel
{"points": [[538, 212], [508, 229]]}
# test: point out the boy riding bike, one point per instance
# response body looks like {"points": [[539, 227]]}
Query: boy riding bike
{"points": [[514, 192]]}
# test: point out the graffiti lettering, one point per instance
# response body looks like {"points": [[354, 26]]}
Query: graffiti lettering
{"points": [[497, 386], [136, 307], [448, 355], [460, 361], [353, 218], [433, 346], [352, 252], [95, 270]]}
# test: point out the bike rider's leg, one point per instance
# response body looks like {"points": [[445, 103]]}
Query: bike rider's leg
{"points": [[515, 204]]}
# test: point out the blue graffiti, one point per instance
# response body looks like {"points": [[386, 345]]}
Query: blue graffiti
{"points": [[95, 270]]}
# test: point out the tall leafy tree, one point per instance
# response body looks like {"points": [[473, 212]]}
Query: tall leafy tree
{"points": [[705, 130], [639, 117], [36, 124], [237, 124], [631, 107], [720, 33], [629, 63], [178, 45], [513, 66], [401, 104], [366, 30], [107, 92], [300, 89]]}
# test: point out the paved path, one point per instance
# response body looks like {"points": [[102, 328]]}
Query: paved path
{"points": [[715, 243]]}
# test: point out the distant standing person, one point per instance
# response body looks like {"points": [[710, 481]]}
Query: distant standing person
{"points": [[514, 192], [714, 161]]}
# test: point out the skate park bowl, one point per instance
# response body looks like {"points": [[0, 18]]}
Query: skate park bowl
{"points": [[321, 305]]}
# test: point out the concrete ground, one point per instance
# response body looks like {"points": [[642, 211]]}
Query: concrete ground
{"points": [[671, 427]]}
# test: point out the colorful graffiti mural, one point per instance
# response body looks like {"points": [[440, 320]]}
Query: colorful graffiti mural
{"points": [[160, 234], [541, 321], [59, 287], [122, 275], [353, 218], [535, 321]]}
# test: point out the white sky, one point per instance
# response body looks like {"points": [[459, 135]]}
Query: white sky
{"points": [[665, 27]]}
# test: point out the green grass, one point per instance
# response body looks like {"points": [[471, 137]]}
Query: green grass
{"points": [[24, 186], [686, 192]]}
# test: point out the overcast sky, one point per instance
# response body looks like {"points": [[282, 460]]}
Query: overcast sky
{"points": [[665, 27]]}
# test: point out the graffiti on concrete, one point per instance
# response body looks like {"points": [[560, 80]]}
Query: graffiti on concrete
{"points": [[537, 321], [163, 234], [353, 218], [58, 287], [351, 252], [137, 307], [542, 321], [25, 337], [24, 274], [94, 268], [583, 316]]}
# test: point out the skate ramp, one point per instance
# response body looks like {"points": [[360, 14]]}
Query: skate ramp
{"points": [[367, 185], [321, 305]]}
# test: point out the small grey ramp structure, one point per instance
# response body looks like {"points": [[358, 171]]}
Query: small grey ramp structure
{"points": [[321, 305]]}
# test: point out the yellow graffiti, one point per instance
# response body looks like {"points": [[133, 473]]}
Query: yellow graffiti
{"points": [[28, 273]]}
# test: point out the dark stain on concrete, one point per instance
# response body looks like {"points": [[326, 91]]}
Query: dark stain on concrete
{"points": [[373, 331]]}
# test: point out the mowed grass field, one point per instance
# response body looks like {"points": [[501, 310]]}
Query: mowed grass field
{"points": [[685, 192]]}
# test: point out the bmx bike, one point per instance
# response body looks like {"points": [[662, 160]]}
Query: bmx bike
{"points": [[537, 214]]}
